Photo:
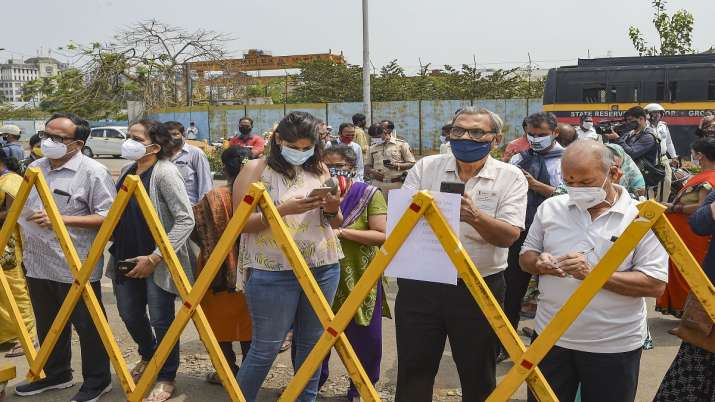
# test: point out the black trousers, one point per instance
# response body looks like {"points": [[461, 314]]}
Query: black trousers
{"points": [[230, 355], [517, 282], [426, 314], [611, 377], [47, 297]]}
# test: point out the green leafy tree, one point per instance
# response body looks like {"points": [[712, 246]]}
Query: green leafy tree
{"points": [[330, 82], [324, 81], [674, 32]]}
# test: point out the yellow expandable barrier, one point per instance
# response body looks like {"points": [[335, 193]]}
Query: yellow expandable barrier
{"points": [[423, 205], [650, 217]]}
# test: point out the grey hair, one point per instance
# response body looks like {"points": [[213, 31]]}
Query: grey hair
{"points": [[497, 122], [608, 158]]}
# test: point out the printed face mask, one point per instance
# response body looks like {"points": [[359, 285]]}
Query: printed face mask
{"points": [[540, 143]]}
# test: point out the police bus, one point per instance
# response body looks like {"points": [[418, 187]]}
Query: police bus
{"points": [[605, 88]]}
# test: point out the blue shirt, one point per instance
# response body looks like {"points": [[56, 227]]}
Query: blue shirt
{"points": [[195, 170], [703, 224], [15, 150]]}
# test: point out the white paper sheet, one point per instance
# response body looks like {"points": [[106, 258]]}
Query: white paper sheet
{"points": [[422, 256]]}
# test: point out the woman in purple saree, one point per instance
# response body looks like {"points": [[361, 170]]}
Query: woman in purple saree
{"points": [[361, 234]]}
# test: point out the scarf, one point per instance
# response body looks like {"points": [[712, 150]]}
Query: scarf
{"points": [[535, 163], [356, 201], [212, 214]]}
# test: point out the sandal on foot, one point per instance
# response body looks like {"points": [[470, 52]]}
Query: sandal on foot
{"points": [[163, 391], [287, 342], [16, 350]]}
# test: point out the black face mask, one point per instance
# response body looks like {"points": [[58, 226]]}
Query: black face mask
{"points": [[244, 130], [177, 143]]}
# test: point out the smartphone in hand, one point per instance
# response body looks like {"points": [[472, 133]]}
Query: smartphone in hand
{"points": [[452, 187]]}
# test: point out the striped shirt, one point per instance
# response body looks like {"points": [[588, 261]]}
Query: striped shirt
{"points": [[194, 168], [80, 187]]}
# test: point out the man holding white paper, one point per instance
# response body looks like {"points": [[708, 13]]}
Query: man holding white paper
{"points": [[492, 216]]}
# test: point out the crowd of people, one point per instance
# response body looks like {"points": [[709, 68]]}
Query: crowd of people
{"points": [[543, 216]]}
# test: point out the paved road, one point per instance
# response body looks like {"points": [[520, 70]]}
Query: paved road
{"points": [[191, 386]]}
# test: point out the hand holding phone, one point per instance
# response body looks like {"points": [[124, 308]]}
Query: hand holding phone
{"points": [[320, 192], [126, 266]]}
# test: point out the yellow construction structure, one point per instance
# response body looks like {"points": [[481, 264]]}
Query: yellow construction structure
{"points": [[423, 206], [258, 60]]}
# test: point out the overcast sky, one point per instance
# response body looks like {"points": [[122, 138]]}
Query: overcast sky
{"points": [[500, 33]]}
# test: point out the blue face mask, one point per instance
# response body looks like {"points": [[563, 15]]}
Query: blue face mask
{"points": [[470, 151], [296, 157]]}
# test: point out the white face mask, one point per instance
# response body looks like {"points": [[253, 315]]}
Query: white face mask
{"points": [[587, 197], [587, 125], [133, 150], [53, 150]]}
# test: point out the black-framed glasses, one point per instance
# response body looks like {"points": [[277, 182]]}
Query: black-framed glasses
{"points": [[52, 137], [476, 134]]}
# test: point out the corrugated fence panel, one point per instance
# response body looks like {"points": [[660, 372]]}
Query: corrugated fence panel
{"points": [[436, 114], [515, 113], [264, 117], [406, 117], [222, 121], [316, 109], [339, 113]]}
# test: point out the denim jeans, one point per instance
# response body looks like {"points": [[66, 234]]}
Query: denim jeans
{"points": [[277, 302], [133, 298]]}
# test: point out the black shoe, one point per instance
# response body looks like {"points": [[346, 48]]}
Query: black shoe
{"points": [[91, 395], [40, 386]]}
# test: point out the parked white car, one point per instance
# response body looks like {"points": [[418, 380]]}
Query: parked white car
{"points": [[105, 141]]}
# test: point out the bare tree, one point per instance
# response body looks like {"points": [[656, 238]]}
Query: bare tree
{"points": [[152, 54]]}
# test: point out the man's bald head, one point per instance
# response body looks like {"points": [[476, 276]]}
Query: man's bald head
{"points": [[567, 134], [587, 155]]}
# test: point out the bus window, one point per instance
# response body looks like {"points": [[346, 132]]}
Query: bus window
{"points": [[594, 95], [660, 91], [673, 91], [711, 90]]}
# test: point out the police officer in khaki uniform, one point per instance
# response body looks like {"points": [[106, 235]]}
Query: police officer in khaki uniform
{"points": [[387, 159]]}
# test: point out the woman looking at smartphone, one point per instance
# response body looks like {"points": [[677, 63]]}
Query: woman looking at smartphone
{"points": [[292, 169], [140, 277]]}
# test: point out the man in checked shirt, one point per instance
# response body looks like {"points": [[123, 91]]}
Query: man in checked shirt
{"points": [[83, 190]]}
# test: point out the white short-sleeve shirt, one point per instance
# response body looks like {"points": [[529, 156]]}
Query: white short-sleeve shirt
{"points": [[611, 323], [499, 189]]}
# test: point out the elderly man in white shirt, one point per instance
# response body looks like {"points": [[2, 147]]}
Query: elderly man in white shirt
{"points": [[601, 350], [492, 217]]}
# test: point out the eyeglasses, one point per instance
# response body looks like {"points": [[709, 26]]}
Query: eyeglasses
{"points": [[53, 137], [476, 134]]}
